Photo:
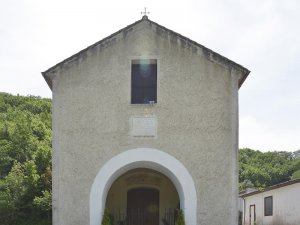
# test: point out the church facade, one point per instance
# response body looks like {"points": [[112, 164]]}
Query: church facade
{"points": [[145, 122]]}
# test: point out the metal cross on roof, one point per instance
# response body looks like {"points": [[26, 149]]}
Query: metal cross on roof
{"points": [[145, 12]]}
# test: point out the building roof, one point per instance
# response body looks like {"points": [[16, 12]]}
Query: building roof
{"points": [[213, 56], [284, 184]]}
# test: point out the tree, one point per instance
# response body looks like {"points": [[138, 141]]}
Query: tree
{"points": [[296, 168], [25, 160], [265, 169]]}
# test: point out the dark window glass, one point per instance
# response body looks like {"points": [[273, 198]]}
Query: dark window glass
{"points": [[269, 206], [144, 81]]}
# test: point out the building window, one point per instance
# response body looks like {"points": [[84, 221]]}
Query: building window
{"points": [[269, 206], [143, 81]]}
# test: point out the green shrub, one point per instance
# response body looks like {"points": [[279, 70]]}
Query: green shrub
{"points": [[105, 218], [296, 175], [180, 217]]}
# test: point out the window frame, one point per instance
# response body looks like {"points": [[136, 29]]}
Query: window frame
{"points": [[268, 206], [135, 86]]}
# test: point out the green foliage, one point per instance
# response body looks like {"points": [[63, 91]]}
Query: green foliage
{"points": [[180, 217], [296, 166], [44, 202], [106, 218], [265, 169], [25, 160], [296, 175]]}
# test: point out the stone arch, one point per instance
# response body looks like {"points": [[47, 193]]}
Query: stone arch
{"points": [[144, 158]]}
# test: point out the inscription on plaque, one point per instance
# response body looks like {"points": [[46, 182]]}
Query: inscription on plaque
{"points": [[143, 126]]}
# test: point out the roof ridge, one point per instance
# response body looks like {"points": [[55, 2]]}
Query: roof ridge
{"points": [[201, 46], [275, 186], [93, 45], [212, 55]]}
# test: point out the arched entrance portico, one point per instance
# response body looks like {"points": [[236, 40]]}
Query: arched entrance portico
{"points": [[144, 158], [142, 197]]}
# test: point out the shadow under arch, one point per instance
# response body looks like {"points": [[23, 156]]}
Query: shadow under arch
{"points": [[144, 158]]}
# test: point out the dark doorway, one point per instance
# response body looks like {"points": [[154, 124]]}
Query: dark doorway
{"points": [[143, 206]]}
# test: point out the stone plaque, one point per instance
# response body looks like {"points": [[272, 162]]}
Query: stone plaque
{"points": [[143, 126]]}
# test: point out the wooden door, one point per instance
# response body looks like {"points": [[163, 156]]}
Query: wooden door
{"points": [[143, 206], [252, 218]]}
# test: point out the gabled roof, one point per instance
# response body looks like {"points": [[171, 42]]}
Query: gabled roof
{"points": [[213, 56], [280, 185]]}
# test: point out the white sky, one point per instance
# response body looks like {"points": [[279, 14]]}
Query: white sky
{"points": [[262, 35]]}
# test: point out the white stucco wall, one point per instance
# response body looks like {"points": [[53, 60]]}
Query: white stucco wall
{"points": [[286, 206], [196, 113]]}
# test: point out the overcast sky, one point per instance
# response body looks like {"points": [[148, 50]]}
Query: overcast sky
{"points": [[261, 35]]}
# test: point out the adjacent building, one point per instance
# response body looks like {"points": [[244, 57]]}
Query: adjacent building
{"points": [[275, 205]]}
